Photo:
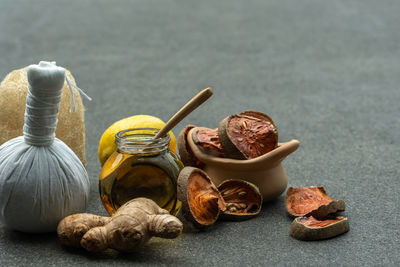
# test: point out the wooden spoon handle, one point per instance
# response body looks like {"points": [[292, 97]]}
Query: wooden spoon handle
{"points": [[196, 101]]}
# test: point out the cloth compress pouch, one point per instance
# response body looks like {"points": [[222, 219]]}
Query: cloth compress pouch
{"points": [[41, 179], [71, 125]]}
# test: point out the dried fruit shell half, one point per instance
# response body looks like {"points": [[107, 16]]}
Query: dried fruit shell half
{"points": [[309, 228], [201, 200], [311, 201], [208, 141], [186, 154], [247, 137], [243, 200]]}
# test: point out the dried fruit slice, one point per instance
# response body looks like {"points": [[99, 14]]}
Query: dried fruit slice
{"points": [[311, 201], [187, 156], [258, 115], [243, 200], [201, 200], [309, 228], [208, 141], [246, 137], [324, 210]]}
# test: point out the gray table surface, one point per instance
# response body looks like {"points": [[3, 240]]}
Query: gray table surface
{"points": [[327, 72]]}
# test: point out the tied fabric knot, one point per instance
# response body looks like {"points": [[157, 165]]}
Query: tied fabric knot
{"points": [[43, 102]]}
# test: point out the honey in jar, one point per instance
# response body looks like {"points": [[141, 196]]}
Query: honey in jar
{"points": [[141, 167]]}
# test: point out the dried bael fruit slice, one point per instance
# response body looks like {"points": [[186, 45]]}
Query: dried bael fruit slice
{"points": [[201, 200], [309, 228], [311, 201], [185, 152], [208, 141], [324, 210], [258, 115], [247, 136], [243, 200]]}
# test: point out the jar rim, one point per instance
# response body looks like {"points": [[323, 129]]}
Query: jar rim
{"points": [[141, 138]]}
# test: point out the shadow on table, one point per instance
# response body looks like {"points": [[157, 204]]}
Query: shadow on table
{"points": [[156, 251], [27, 238], [275, 207]]}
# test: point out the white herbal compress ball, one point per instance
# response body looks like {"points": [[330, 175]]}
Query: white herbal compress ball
{"points": [[41, 179]]}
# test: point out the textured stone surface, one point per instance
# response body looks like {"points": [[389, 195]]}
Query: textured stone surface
{"points": [[327, 72]]}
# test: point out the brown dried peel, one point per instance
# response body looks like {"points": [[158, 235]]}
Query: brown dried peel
{"points": [[203, 203], [315, 206], [208, 141], [243, 200], [201, 200], [186, 154], [307, 201], [258, 115], [324, 210], [247, 137], [309, 228]]}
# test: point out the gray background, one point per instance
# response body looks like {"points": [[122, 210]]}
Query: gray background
{"points": [[327, 72]]}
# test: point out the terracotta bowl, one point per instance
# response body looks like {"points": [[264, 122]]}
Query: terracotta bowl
{"points": [[265, 171]]}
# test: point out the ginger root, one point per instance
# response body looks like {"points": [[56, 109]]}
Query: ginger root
{"points": [[132, 225]]}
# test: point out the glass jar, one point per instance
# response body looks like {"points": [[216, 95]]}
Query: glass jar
{"points": [[141, 167]]}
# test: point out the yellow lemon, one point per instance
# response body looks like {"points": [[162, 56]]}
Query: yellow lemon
{"points": [[107, 141]]}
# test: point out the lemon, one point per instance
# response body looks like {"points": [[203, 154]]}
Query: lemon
{"points": [[107, 141]]}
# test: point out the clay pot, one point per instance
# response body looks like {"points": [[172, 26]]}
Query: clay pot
{"points": [[265, 171]]}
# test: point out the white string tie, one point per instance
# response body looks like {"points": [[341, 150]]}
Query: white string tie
{"points": [[81, 92]]}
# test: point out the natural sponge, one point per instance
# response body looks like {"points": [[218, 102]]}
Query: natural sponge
{"points": [[70, 128]]}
